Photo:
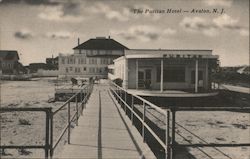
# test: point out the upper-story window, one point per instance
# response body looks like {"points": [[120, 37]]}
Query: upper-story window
{"points": [[82, 60], [92, 61], [71, 60], [63, 61], [94, 52], [104, 61]]}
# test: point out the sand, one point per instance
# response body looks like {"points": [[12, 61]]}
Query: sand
{"points": [[16, 132], [209, 127]]}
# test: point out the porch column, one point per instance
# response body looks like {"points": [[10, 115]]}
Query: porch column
{"points": [[206, 78], [136, 73], [161, 75], [125, 74], [196, 75]]}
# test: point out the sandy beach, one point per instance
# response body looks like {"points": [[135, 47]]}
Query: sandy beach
{"points": [[209, 127], [28, 128]]}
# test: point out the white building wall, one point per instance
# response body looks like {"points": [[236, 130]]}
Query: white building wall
{"points": [[80, 65]]}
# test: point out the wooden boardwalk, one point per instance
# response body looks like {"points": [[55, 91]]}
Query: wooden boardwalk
{"points": [[104, 131]]}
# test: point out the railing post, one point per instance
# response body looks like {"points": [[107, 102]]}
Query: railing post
{"points": [[167, 135], [81, 105], [173, 134], [120, 97], [85, 98], [69, 122], [132, 108], [125, 99], [76, 111], [51, 135], [47, 145], [143, 123], [117, 94]]}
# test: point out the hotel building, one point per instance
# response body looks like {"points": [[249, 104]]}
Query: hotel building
{"points": [[91, 58]]}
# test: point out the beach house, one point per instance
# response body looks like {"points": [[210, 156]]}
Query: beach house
{"points": [[160, 71], [9, 62]]}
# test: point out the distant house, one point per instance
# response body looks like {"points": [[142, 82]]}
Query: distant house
{"points": [[34, 67], [9, 62], [52, 63], [91, 58]]}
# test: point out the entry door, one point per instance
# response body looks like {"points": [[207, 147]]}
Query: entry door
{"points": [[147, 80], [144, 78], [148, 75], [140, 79]]}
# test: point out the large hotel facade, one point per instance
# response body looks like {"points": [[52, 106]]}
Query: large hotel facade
{"points": [[91, 58], [141, 69]]}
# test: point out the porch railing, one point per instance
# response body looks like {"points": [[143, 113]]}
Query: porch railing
{"points": [[127, 102], [80, 99]]}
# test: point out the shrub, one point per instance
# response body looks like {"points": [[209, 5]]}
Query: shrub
{"points": [[118, 81], [24, 122]]}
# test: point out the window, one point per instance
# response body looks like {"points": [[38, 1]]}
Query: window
{"points": [[83, 60], [96, 70], [84, 69], [171, 74], [92, 61], [91, 70], [63, 60], [77, 70], [94, 52], [66, 69], [70, 68]]}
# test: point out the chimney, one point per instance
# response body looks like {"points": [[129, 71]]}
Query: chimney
{"points": [[78, 41]]}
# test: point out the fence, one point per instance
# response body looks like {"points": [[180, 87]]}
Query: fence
{"points": [[80, 100], [127, 102]]}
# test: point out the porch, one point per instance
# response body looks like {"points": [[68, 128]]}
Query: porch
{"points": [[182, 76]]}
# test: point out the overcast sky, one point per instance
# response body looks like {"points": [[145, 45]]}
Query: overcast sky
{"points": [[40, 28]]}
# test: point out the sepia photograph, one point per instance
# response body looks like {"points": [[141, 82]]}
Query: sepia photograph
{"points": [[124, 79]]}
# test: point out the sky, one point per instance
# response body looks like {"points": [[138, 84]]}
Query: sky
{"points": [[41, 28]]}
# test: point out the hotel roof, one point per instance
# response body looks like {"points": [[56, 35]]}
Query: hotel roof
{"points": [[101, 44]]}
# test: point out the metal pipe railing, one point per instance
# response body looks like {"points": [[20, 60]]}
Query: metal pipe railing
{"points": [[87, 90], [169, 144], [49, 146], [141, 119]]}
